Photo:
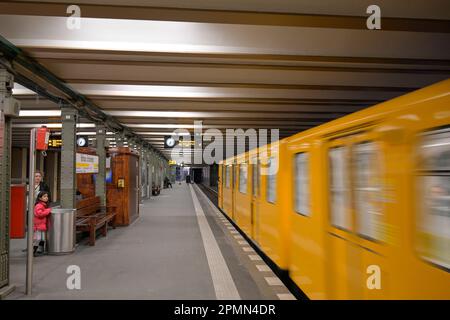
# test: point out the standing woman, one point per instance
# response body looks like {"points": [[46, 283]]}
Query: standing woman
{"points": [[40, 185]]}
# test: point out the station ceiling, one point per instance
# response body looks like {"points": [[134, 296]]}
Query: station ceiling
{"points": [[156, 66]]}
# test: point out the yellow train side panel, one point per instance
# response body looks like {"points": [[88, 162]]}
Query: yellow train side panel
{"points": [[220, 186], [350, 258], [274, 228], [307, 248], [242, 215], [228, 190]]}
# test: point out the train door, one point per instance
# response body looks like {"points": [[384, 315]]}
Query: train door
{"points": [[227, 191], [220, 185], [256, 183], [356, 231], [234, 173], [304, 166]]}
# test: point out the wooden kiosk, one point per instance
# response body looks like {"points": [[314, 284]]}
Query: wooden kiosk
{"points": [[123, 179]]}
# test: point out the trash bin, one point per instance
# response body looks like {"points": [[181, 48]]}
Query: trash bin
{"points": [[61, 233]]}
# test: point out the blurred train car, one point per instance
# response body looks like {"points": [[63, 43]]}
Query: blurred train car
{"points": [[357, 208]]}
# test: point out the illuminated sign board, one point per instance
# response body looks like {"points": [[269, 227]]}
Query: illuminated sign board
{"points": [[54, 143], [186, 144], [87, 163]]}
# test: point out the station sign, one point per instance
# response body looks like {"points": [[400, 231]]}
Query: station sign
{"points": [[172, 162], [86, 163], [54, 142], [186, 143]]}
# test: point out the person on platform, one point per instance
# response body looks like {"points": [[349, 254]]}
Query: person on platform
{"points": [[40, 222], [40, 185], [167, 182]]}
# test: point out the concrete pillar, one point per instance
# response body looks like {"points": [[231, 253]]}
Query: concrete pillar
{"points": [[119, 140], [144, 170], [149, 173], [68, 157], [56, 178], [154, 171], [100, 183], [149, 164], [6, 112], [161, 170], [40, 163]]}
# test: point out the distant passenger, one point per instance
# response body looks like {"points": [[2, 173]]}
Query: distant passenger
{"points": [[167, 182], [188, 179]]}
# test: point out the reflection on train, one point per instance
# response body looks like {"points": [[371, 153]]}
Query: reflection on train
{"points": [[358, 208]]}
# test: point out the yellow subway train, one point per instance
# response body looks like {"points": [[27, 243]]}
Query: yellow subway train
{"points": [[357, 208]]}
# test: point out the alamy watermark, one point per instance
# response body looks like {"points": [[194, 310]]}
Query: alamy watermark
{"points": [[218, 142], [73, 281], [74, 21], [374, 279], [373, 22]]}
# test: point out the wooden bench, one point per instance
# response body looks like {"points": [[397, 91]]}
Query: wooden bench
{"points": [[91, 216]]}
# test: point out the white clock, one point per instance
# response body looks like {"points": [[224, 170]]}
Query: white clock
{"points": [[81, 142], [170, 142]]}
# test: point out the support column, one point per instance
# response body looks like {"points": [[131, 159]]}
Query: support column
{"points": [[68, 157], [161, 170], [100, 182], [149, 173], [55, 194], [140, 182], [144, 185], [7, 110], [153, 162], [119, 140]]}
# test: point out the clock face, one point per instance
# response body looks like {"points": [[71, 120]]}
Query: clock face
{"points": [[81, 142], [170, 142]]}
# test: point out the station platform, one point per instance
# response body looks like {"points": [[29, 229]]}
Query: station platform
{"points": [[180, 247]]}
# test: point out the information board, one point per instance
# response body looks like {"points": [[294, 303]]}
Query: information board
{"points": [[87, 163]]}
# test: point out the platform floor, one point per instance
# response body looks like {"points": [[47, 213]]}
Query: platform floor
{"points": [[181, 247]]}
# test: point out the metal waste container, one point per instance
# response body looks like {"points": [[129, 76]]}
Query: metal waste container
{"points": [[61, 232]]}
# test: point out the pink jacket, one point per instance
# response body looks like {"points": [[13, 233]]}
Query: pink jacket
{"points": [[41, 213]]}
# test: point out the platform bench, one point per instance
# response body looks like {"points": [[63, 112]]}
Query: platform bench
{"points": [[91, 216]]}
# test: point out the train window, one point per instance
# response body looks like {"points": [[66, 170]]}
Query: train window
{"points": [[271, 181], [302, 184], [227, 176], [367, 190], [243, 178], [256, 174], [222, 168], [339, 188], [434, 195]]}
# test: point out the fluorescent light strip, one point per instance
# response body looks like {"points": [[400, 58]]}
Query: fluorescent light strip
{"points": [[161, 126], [50, 125], [39, 113], [164, 133], [158, 114]]}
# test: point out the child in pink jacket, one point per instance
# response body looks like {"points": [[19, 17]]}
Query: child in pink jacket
{"points": [[40, 222]]}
